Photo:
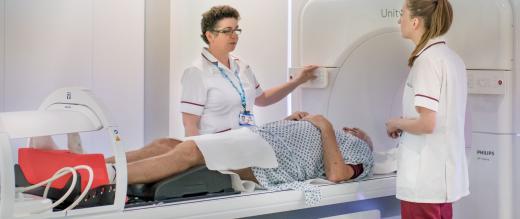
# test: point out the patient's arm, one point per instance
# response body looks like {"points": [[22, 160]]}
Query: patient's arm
{"points": [[335, 168], [297, 116]]}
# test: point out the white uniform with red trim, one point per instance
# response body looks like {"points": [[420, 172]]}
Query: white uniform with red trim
{"points": [[206, 93], [432, 168]]}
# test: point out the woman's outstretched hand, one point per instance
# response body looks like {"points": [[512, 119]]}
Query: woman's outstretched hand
{"points": [[306, 74]]}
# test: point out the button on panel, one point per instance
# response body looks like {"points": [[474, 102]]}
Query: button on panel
{"points": [[486, 82]]}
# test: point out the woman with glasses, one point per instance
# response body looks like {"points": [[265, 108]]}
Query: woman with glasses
{"points": [[432, 171], [218, 89]]}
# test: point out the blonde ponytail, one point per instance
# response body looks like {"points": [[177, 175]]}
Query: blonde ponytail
{"points": [[437, 16]]}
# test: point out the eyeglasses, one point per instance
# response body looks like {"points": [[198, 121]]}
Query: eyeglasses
{"points": [[229, 31]]}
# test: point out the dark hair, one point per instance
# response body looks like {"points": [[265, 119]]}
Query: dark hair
{"points": [[437, 16], [213, 16]]}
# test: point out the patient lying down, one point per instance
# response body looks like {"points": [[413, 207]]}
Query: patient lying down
{"points": [[305, 147]]}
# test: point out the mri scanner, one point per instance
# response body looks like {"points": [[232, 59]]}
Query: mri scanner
{"points": [[359, 44]]}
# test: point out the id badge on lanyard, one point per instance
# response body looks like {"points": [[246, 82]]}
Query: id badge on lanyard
{"points": [[246, 119]]}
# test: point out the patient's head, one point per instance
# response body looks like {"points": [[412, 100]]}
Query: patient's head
{"points": [[360, 134]]}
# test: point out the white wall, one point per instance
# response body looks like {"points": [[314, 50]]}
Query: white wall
{"points": [[97, 44], [296, 8], [516, 149], [263, 44], [118, 63], [2, 53], [295, 60], [157, 69]]}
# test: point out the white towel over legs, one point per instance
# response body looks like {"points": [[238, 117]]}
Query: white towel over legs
{"points": [[235, 149]]}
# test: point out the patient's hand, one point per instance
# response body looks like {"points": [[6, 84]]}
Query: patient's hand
{"points": [[359, 134], [297, 116], [319, 121]]}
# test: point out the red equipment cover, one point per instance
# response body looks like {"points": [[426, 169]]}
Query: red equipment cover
{"points": [[38, 165]]}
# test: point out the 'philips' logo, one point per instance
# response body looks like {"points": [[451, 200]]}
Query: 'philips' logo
{"points": [[391, 13], [486, 153]]}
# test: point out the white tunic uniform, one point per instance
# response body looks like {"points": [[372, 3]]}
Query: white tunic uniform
{"points": [[206, 93], [432, 168]]}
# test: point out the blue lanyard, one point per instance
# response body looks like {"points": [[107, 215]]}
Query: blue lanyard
{"points": [[240, 91]]}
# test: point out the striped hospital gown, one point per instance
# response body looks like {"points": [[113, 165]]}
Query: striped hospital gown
{"points": [[298, 149]]}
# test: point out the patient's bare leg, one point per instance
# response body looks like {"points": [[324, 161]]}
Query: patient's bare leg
{"points": [[74, 143], [182, 157], [42, 142], [156, 147]]}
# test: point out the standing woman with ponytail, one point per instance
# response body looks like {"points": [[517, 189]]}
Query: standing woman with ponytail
{"points": [[432, 169]]}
